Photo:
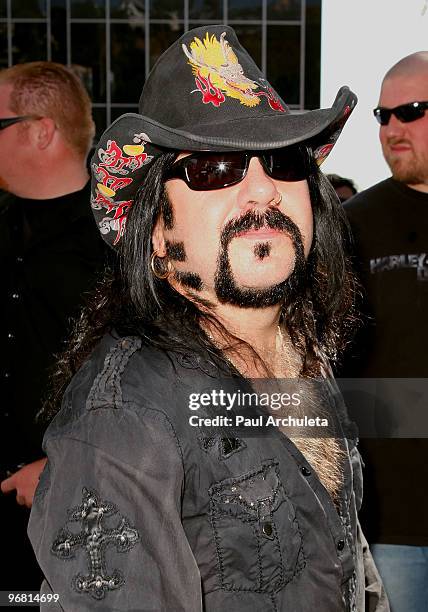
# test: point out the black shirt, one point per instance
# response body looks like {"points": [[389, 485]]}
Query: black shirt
{"points": [[390, 227], [50, 255]]}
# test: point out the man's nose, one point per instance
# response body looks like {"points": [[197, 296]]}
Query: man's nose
{"points": [[257, 190], [394, 129]]}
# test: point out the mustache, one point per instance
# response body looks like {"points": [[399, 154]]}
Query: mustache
{"points": [[294, 286], [253, 219], [398, 141]]}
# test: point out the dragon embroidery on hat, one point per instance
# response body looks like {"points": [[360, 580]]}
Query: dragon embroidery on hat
{"points": [[110, 172], [218, 74]]}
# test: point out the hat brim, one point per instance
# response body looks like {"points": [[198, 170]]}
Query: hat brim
{"points": [[267, 132], [272, 132]]}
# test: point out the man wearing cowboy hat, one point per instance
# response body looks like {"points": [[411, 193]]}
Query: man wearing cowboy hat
{"points": [[231, 269]]}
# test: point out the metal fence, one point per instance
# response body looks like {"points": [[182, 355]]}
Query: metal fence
{"points": [[113, 44]]}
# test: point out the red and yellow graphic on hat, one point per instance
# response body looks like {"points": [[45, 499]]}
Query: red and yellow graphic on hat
{"points": [[117, 222], [323, 151], [114, 164], [218, 74]]}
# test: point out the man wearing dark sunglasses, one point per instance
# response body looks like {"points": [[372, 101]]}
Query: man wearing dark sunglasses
{"points": [[231, 269], [49, 256], [390, 225]]}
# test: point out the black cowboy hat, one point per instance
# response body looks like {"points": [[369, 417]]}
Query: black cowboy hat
{"points": [[204, 93]]}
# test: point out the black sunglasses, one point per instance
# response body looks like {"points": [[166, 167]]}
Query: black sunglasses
{"points": [[204, 171], [4, 123], [404, 113]]}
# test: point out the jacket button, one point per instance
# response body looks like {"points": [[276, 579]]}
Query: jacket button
{"points": [[268, 530], [340, 545], [305, 471]]}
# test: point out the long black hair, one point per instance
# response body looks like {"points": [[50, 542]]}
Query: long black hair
{"points": [[131, 300]]}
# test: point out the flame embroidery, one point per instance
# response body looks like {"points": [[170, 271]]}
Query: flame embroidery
{"points": [[209, 92], [273, 101]]}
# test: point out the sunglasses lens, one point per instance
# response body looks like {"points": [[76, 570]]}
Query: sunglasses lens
{"points": [[382, 115], [206, 171], [288, 164], [215, 171], [407, 113]]}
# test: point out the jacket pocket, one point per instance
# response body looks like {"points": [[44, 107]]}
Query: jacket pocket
{"points": [[257, 536]]}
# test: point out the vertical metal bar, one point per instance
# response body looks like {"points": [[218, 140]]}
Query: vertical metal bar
{"points": [[108, 64], [48, 31], [68, 31], [9, 32], [225, 11], [264, 37], [186, 15], [302, 55], [147, 37]]}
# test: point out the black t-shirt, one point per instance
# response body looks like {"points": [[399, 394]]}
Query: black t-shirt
{"points": [[390, 227], [50, 254]]}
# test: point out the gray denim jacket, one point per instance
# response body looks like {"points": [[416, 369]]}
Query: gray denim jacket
{"points": [[136, 510]]}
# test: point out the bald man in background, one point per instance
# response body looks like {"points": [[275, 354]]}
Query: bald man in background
{"points": [[390, 226]]}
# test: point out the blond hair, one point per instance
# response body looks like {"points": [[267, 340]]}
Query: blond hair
{"points": [[52, 90]]}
